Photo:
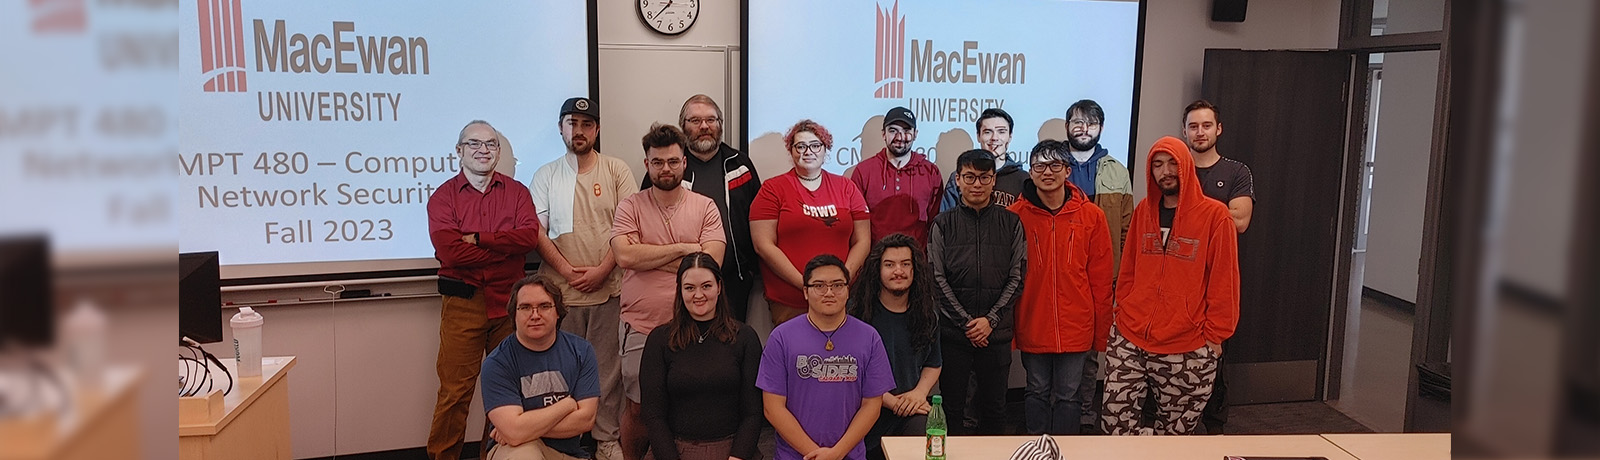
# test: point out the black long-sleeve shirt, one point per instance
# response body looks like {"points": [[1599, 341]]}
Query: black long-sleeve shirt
{"points": [[685, 394]]}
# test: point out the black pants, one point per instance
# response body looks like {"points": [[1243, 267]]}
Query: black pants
{"points": [[991, 366]]}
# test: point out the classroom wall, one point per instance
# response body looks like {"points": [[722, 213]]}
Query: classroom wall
{"points": [[1400, 172], [365, 381], [1177, 33]]}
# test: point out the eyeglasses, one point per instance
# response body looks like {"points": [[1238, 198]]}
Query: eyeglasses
{"points": [[702, 121], [1081, 123], [828, 287], [896, 131], [1052, 166], [970, 179], [477, 144], [671, 163], [814, 147], [541, 308]]}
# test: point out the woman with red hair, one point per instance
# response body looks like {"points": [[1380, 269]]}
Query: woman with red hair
{"points": [[803, 213]]}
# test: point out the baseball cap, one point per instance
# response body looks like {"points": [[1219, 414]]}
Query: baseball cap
{"points": [[581, 105], [901, 115]]}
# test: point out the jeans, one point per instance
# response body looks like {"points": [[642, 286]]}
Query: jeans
{"points": [[1053, 404]]}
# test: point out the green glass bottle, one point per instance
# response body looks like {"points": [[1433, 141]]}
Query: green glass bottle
{"points": [[936, 429]]}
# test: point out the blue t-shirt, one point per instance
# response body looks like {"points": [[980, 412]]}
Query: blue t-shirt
{"points": [[824, 388], [513, 375]]}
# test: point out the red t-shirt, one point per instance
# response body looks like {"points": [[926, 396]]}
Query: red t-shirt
{"points": [[809, 223]]}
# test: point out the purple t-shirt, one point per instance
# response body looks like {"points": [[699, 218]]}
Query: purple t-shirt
{"points": [[824, 388]]}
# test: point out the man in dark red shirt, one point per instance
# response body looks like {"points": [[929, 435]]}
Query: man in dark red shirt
{"points": [[901, 186], [482, 224]]}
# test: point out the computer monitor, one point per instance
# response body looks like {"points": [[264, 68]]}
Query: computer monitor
{"points": [[27, 295], [200, 296]]}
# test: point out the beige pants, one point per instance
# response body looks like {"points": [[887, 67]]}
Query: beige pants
{"points": [[533, 450]]}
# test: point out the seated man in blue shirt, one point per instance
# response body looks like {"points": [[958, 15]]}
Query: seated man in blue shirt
{"points": [[541, 386]]}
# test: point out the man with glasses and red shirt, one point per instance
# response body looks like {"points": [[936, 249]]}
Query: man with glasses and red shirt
{"points": [[482, 224], [901, 187]]}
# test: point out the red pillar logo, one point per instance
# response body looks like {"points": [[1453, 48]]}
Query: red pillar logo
{"points": [[890, 70], [221, 45], [58, 16]]}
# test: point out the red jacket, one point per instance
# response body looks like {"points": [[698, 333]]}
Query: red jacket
{"points": [[1175, 296], [1066, 301]]}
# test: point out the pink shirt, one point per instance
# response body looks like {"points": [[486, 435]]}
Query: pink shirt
{"points": [[647, 295]]}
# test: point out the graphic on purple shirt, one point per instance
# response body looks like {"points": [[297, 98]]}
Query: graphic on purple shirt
{"points": [[824, 388]]}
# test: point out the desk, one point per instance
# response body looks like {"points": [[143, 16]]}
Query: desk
{"points": [[252, 423], [1126, 447], [110, 418], [1407, 446]]}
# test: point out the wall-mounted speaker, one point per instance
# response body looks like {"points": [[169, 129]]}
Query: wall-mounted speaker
{"points": [[1228, 10]]}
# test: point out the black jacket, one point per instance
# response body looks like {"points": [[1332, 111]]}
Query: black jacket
{"points": [[979, 258], [739, 186]]}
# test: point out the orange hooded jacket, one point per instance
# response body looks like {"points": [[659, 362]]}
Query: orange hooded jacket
{"points": [[1066, 302], [1176, 295]]}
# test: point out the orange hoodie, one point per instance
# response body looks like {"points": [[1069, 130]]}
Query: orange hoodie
{"points": [[1066, 301], [1175, 296]]}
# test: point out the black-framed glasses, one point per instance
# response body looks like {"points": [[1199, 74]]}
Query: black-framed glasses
{"points": [[970, 179], [814, 147], [702, 121], [838, 286], [1052, 166], [475, 144], [1081, 123]]}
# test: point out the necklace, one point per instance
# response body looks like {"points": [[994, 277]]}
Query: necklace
{"points": [[702, 338], [827, 335], [809, 179], [666, 211]]}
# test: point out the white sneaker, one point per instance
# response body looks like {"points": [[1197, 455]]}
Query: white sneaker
{"points": [[608, 450]]}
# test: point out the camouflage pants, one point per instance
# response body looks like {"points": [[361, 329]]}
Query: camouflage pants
{"points": [[1181, 382]]}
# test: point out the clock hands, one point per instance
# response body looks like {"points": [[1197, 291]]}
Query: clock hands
{"points": [[664, 8]]}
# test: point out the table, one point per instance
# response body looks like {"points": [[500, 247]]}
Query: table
{"points": [[1339, 447], [1406, 446], [252, 422], [109, 416]]}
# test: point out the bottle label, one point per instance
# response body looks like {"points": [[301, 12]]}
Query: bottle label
{"points": [[935, 446]]}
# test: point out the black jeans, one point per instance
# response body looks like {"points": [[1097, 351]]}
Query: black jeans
{"points": [[991, 366]]}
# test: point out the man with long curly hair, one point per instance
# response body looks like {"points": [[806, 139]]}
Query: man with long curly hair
{"points": [[894, 293]]}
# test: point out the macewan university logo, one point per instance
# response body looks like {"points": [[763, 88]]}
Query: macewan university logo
{"points": [[891, 62], [58, 16], [222, 46]]}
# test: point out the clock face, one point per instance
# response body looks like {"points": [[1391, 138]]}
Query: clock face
{"points": [[669, 17]]}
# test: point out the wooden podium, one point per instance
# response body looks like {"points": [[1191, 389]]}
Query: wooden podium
{"points": [[250, 423], [109, 417]]}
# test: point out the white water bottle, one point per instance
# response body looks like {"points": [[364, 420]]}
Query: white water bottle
{"points": [[247, 341], [84, 333]]}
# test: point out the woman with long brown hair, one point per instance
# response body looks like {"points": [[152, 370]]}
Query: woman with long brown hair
{"points": [[690, 368]]}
